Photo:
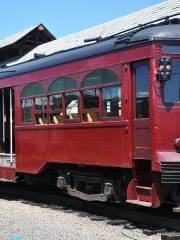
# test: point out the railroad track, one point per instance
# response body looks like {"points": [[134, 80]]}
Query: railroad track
{"points": [[161, 218]]}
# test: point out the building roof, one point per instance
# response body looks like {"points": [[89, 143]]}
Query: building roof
{"points": [[18, 36], [167, 30], [159, 11], [17, 45]]}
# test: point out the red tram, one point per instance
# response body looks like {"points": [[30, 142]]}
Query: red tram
{"points": [[101, 121]]}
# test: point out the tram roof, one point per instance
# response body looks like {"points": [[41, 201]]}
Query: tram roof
{"points": [[154, 33], [153, 13]]}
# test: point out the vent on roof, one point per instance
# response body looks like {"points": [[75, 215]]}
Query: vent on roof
{"points": [[39, 55], [96, 39], [3, 65]]}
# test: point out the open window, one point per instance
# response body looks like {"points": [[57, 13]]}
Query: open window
{"points": [[72, 106], [55, 108]]}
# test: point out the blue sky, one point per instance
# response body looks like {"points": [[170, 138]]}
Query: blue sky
{"points": [[63, 17]]}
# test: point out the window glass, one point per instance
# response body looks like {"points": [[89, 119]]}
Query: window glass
{"points": [[90, 105], [142, 91], [27, 110], [111, 101], [90, 98], [62, 84], [170, 49], [72, 105], [41, 103], [98, 77], [32, 89], [172, 87], [55, 102]]}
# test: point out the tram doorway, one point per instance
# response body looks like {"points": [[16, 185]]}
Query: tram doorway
{"points": [[7, 136]]}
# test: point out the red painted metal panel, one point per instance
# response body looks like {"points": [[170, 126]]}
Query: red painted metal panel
{"points": [[7, 173], [103, 146]]}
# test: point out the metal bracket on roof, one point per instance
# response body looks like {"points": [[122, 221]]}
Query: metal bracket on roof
{"points": [[3, 65], [97, 39]]}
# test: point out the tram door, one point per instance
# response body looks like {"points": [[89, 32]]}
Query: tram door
{"points": [[7, 136], [140, 110]]}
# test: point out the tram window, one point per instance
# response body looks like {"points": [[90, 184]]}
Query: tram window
{"points": [[56, 118], [40, 110], [99, 77], [41, 118], [90, 105], [41, 103], [142, 91], [55, 102], [33, 89], [55, 107], [27, 110], [72, 105], [90, 99], [111, 102], [62, 84], [172, 87]]}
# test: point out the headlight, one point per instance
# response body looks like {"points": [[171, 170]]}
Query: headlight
{"points": [[177, 143]]}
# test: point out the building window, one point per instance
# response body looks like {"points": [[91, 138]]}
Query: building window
{"points": [[62, 84], [55, 108], [27, 110], [41, 110], [90, 105], [72, 105], [100, 77], [111, 98]]}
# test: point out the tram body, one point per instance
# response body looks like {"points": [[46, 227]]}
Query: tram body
{"points": [[101, 122]]}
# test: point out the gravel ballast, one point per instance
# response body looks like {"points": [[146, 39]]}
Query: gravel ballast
{"points": [[29, 220]]}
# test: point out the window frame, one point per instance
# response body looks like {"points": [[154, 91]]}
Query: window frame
{"points": [[55, 111], [76, 120], [144, 63], [46, 111], [105, 118], [86, 110], [22, 111]]}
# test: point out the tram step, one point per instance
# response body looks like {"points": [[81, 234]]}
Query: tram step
{"points": [[140, 203], [6, 180], [143, 187]]}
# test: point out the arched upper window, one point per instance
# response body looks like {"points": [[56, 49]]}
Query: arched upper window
{"points": [[33, 89], [98, 77], [62, 84]]}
